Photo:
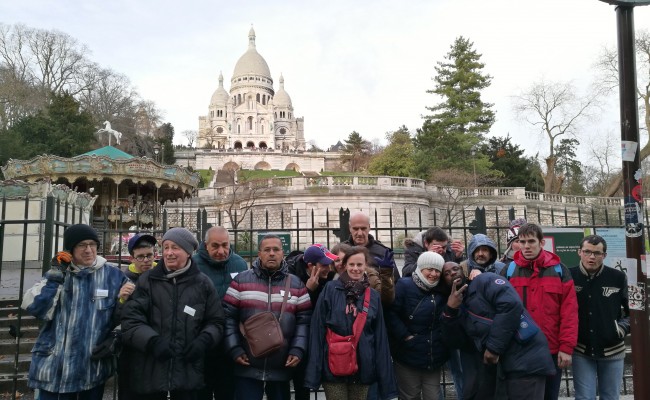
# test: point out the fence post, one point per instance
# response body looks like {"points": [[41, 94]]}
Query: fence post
{"points": [[48, 234]]}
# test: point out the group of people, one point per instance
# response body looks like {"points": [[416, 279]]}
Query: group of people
{"points": [[345, 319]]}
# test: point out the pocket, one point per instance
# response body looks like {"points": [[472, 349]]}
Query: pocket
{"points": [[552, 297], [105, 303]]}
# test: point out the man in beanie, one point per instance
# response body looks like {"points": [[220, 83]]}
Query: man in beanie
{"points": [[512, 236], [172, 319], [76, 300], [217, 259], [413, 323]]}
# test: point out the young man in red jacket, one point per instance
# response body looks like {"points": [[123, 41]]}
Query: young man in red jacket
{"points": [[547, 291]]}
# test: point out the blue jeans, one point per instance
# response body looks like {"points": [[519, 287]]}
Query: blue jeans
{"points": [[252, 389], [590, 373]]}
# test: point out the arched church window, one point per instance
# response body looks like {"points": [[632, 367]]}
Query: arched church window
{"points": [[250, 123], [257, 98], [239, 99]]}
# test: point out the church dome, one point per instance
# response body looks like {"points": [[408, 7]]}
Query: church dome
{"points": [[251, 63], [220, 96], [281, 98]]}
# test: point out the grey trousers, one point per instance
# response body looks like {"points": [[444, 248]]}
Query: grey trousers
{"points": [[345, 391], [416, 383]]}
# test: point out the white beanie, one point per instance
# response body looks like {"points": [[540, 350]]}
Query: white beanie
{"points": [[430, 259]]}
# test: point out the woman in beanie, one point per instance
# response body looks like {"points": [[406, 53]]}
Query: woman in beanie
{"points": [[337, 309], [512, 234], [172, 319], [415, 331]]}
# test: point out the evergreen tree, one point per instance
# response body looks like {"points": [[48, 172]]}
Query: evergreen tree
{"points": [[397, 159], [60, 129], [165, 138], [518, 170], [458, 123], [356, 152]]}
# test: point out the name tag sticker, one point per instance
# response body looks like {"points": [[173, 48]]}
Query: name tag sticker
{"points": [[282, 293], [233, 274], [101, 293], [189, 311]]}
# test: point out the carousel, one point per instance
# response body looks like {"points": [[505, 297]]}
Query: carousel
{"points": [[130, 191]]}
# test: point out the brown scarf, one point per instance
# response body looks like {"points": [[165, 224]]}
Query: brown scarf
{"points": [[353, 289]]}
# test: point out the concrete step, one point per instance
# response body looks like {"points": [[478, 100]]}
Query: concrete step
{"points": [[7, 364], [8, 347]]}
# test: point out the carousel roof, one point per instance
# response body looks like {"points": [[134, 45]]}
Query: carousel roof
{"points": [[110, 152], [105, 163]]}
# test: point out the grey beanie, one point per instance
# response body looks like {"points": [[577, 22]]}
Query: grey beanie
{"points": [[182, 237], [430, 259]]}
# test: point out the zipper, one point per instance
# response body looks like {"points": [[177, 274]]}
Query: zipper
{"points": [[175, 305]]}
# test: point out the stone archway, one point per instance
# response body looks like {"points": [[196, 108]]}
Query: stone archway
{"points": [[230, 166], [262, 145], [263, 165], [292, 167], [250, 145], [238, 145]]}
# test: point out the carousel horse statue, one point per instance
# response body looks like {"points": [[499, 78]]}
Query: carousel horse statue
{"points": [[111, 132]]}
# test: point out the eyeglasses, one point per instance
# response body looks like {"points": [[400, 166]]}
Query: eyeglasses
{"points": [[144, 257], [590, 253], [92, 245]]}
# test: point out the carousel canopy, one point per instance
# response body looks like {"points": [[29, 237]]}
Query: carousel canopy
{"points": [[110, 152]]}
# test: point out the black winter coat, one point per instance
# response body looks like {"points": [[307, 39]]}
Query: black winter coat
{"points": [[417, 312], [490, 297], [412, 250], [257, 290], [179, 309], [373, 353]]}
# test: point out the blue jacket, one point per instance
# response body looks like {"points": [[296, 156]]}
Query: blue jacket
{"points": [[373, 353], [488, 318], [82, 319], [258, 290], [417, 312], [493, 265], [219, 272]]}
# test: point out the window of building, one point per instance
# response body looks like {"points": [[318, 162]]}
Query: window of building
{"points": [[219, 130], [250, 123], [257, 98]]}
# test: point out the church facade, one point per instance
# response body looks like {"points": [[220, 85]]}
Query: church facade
{"points": [[253, 115]]}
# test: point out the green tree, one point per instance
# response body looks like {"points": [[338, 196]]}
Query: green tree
{"points": [[518, 170], [165, 138], [356, 152], [398, 158], [458, 123], [61, 129]]}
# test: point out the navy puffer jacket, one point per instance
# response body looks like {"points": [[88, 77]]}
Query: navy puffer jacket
{"points": [[497, 310], [373, 353], [417, 312]]}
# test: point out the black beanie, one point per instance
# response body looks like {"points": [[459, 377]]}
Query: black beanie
{"points": [[77, 233]]}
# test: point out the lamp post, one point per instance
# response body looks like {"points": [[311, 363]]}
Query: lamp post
{"points": [[634, 238], [156, 150]]}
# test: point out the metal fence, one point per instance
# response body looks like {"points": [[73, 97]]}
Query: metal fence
{"points": [[392, 229]]}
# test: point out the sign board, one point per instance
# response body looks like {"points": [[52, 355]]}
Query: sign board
{"points": [[285, 238], [564, 242], [629, 3]]}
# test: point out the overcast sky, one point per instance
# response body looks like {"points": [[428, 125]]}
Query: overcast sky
{"points": [[348, 65]]}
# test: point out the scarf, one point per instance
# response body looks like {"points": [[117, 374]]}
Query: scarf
{"points": [[173, 274], [353, 289], [422, 282]]}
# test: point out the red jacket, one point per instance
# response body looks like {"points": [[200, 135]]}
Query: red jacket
{"points": [[549, 298]]}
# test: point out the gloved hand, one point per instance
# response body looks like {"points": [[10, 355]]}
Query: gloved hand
{"points": [[197, 347], [60, 263], [161, 348], [387, 261]]}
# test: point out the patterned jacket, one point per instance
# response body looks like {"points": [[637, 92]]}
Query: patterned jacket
{"points": [[82, 319], [258, 290]]}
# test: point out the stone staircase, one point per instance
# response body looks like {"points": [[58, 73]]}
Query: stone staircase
{"points": [[15, 353]]}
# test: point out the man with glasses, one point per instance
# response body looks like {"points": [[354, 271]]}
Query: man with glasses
{"points": [[143, 252], [603, 322], [76, 300]]}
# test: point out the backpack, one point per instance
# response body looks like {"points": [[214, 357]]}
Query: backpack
{"points": [[512, 265]]}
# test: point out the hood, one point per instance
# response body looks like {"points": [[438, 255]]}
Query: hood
{"points": [[417, 240], [477, 241], [545, 259], [203, 253]]}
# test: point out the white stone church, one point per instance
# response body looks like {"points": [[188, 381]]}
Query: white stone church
{"points": [[253, 115]]}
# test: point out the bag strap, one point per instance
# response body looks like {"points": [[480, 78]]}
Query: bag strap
{"points": [[287, 287], [511, 270], [360, 321]]}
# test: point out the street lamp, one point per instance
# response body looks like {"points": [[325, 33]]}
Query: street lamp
{"points": [[473, 151], [156, 150]]}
